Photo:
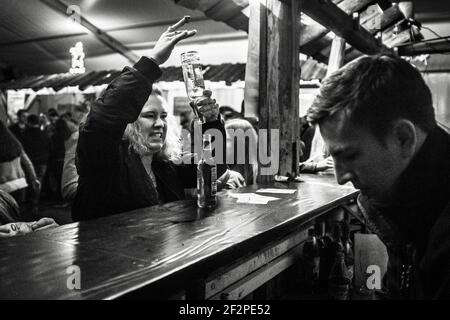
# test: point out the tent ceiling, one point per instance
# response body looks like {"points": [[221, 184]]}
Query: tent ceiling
{"points": [[36, 39]]}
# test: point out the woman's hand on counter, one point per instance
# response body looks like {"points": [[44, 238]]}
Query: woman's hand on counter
{"points": [[23, 228], [231, 180]]}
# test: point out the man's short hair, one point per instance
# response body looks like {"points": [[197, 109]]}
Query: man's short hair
{"points": [[228, 112], [52, 112], [21, 112], [33, 120], [374, 91]]}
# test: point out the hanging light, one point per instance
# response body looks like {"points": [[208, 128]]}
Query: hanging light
{"points": [[78, 55]]}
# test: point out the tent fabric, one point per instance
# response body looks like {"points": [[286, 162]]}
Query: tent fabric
{"points": [[225, 72], [36, 39], [228, 72]]}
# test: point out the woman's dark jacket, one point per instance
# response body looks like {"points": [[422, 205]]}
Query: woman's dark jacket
{"points": [[112, 177]]}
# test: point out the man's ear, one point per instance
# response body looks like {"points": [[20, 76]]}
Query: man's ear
{"points": [[405, 135]]}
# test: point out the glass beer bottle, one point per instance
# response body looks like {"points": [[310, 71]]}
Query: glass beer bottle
{"points": [[192, 74], [206, 176], [193, 80]]}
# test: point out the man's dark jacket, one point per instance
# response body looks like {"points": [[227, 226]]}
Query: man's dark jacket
{"points": [[112, 178], [416, 226], [37, 145]]}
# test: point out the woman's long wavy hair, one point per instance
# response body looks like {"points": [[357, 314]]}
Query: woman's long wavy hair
{"points": [[171, 149]]}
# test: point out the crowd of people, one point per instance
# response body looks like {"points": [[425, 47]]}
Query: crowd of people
{"points": [[31, 166]]}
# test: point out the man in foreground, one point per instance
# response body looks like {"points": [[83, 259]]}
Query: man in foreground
{"points": [[377, 119]]}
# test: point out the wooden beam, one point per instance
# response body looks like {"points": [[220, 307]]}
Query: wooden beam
{"points": [[389, 18], [333, 18], [160, 23], [425, 47], [430, 17], [384, 4], [40, 39], [228, 11], [110, 42], [320, 48], [312, 33], [313, 47]]}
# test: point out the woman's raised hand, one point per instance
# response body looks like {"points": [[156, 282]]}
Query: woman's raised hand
{"points": [[167, 41]]}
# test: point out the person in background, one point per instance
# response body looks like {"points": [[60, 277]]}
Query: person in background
{"points": [[12, 176], [52, 116], [306, 136], [377, 119], [78, 114], [16, 171], [316, 165], [10, 224], [69, 178], [234, 122], [186, 118], [65, 126], [252, 120], [319, 160], [19, 127], [36, 144]]}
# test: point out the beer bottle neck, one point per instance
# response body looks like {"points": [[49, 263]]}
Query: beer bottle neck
{"points": [[207, 149]]}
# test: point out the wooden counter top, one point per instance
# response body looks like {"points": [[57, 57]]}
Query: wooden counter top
{"points": [[157, 245]]}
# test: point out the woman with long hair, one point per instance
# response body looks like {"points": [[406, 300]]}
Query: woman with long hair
{"points": [[126, 147]]}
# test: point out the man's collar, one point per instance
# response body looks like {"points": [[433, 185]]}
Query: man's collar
{"points": [[421, 186], [424, 173]]}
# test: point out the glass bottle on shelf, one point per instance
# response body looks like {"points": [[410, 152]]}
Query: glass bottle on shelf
{"points": [[326, 256], [348, 249], [311, 256], [339, 279]]}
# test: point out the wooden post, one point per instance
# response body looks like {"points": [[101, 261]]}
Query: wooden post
{"points": [[278, 80], [337, 54], [407, 7], [335, 61]]}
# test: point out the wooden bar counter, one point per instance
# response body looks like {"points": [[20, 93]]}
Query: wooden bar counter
{"points": [[170, 251]]}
